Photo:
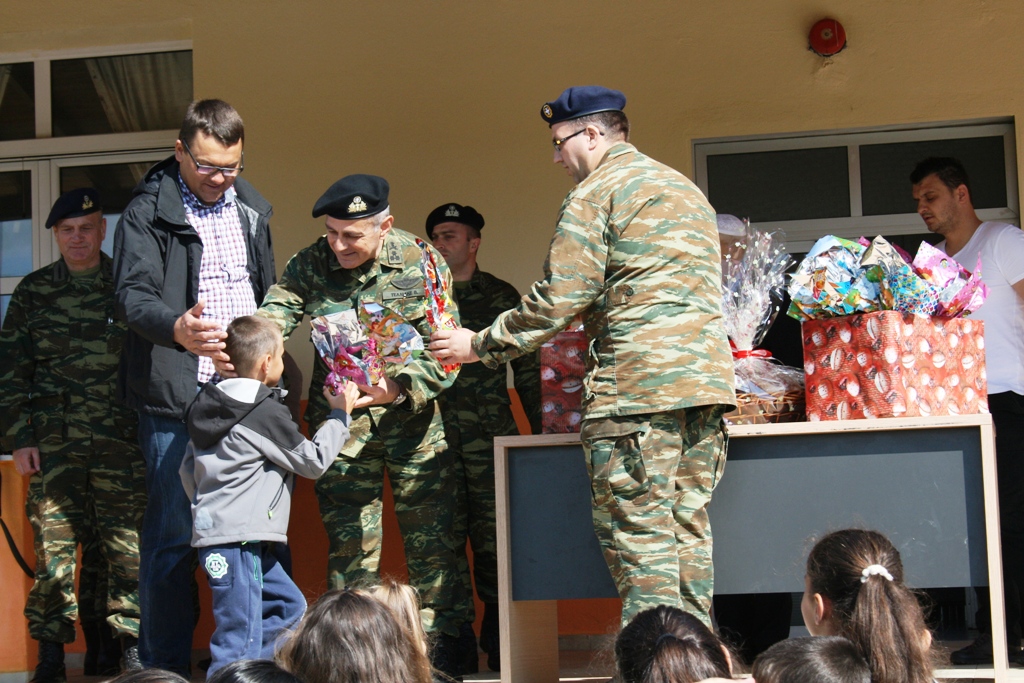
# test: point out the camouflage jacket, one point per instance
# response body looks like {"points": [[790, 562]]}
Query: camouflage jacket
{"points": [[315, 284], [480, 392], [636, 254], [59, 350]]}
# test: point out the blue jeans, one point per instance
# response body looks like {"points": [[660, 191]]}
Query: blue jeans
{"points": [[254, 601], [167, 558]]}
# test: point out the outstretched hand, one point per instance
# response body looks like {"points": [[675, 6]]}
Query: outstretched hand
{"points": [[454, 346], [201, 337]]}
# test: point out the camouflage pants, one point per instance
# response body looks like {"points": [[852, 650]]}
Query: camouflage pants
{"points": [[652, 476], [92, 576], [101, 473], [422, 481], [475, 520]]}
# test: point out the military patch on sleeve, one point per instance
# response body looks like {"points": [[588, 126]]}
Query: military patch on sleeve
{"points": [[216, 565]]}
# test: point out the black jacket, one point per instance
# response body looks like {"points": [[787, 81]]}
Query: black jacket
{"points": [[156, 272]]}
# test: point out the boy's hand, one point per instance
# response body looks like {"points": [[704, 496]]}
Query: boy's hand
{"points": [[346, 400]]}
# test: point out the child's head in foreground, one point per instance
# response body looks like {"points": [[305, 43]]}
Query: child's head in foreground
{"points": [[253, 671], [256, 348], [854, 588], [823, 659], [667, 645]]}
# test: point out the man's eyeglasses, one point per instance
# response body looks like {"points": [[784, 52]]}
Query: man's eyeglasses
{"points": [[558, 142], [206, 169]]}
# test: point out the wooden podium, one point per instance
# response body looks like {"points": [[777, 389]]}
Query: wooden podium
{"points": [[927, 483]]}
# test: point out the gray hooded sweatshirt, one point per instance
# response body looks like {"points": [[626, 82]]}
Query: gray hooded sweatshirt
{"points": [[239, 464]]}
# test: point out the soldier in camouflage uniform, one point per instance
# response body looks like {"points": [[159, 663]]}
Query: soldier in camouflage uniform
{"points": [[476, 410], [636, 254], [397, 425], [59, 351]]}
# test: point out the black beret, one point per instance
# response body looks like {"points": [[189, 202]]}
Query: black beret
{"points": [[454, 213], [74, 203], [354, 196], [582, 100]]}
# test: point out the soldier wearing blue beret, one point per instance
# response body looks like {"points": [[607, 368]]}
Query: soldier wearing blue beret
{"points": [[636, 254]]}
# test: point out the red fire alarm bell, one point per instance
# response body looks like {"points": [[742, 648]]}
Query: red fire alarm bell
{"points": [[828, 37]]}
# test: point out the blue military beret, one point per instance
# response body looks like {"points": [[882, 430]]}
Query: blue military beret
{"points": [[454, 213], [74, 203], [354, 196], [582, 100]]}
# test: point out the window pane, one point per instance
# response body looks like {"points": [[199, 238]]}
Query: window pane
{"points": [[120, 94], [781, 186], [114, 182], [17, 101], [15, 224], [4, 300], [885, 172]]}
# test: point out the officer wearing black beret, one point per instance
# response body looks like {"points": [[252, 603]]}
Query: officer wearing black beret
{"points": [[396, 426], [476, 410]]}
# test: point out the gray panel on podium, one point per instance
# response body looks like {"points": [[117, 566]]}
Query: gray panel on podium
{"points": [[555, 554], [922, 488]]}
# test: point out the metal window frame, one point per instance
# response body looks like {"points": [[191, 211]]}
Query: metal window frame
{"points": [[801, 234]]}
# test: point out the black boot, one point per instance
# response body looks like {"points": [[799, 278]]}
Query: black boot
{"points": [[91, 631], [445, 656], [467, 645], [490, 641], [50, 668], [109, 661], [130, 654]]}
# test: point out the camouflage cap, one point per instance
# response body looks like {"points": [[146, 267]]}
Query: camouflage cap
{"points": [[582, 100], [354, 196], [454, 213], [74, 203]]}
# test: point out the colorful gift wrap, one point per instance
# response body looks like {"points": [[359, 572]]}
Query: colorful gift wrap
{"points": [[892, 364], [562, 367]]}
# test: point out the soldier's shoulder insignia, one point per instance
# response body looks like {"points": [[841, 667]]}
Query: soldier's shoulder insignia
{"points": [[394, 254]]}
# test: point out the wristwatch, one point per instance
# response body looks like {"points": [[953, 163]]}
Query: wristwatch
{"points": [[400, 399]]}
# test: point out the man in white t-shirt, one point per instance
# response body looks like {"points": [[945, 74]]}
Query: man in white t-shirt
{"points": [[943, 195]]}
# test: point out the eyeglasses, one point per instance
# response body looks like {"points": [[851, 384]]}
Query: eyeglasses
{"points": [[558, 142], [206, 169]]}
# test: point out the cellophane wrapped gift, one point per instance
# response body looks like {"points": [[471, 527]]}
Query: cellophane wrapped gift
{"points": [[562, 367], [884, 334], [893, 364], [754, 264]]}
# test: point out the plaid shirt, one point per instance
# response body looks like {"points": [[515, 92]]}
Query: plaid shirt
{"points": [[223, 274]]}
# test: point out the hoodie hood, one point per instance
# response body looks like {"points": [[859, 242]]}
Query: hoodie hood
{"points": [[212, 415]]}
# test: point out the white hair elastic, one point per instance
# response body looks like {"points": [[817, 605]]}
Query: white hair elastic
{"points": [[874, 570]]}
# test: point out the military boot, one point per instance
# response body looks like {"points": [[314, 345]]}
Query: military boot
{"points": [[490, 641], [467, 644], [445, 656], [109, 661], [50, 668], [130, 654], [91, 631]]}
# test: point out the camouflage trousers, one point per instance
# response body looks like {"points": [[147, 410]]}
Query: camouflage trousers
{"points": [[652, 476], [104, 475], [423, 485], [475, 520], [92, 576]]}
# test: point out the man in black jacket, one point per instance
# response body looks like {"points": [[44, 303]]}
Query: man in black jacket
{"points": [[191, 253]]}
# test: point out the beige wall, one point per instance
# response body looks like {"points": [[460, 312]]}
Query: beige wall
{"points": [[441, 97]]}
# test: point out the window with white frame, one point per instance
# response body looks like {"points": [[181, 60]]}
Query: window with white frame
{"points": [[82, 118], [853, 183]]}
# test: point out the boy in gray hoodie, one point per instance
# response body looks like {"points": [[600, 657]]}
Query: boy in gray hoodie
{"points": [[238, 471]]}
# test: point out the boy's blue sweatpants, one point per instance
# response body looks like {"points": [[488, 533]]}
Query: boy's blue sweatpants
{"points": [[254, 600]]}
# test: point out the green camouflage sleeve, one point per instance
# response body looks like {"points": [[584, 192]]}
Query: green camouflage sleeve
{"points": [[285, 302], [574, 274], [17, 368], [525, 368]]}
